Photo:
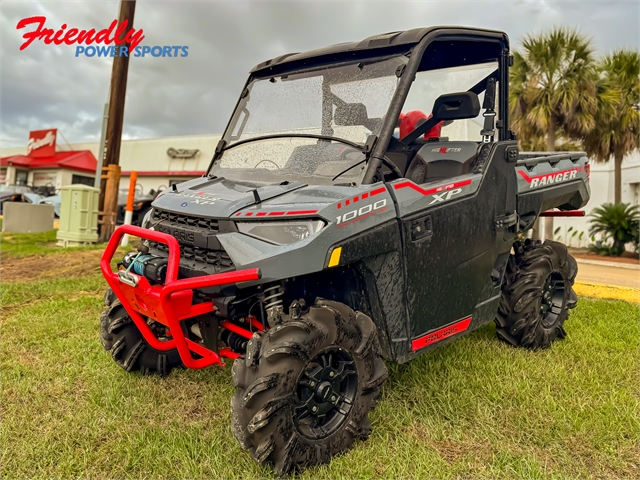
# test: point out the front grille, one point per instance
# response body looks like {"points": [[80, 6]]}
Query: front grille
{"points": [[179, 219], [217, 258], [203, 229]]}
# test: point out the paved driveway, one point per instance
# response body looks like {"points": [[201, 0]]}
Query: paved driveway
{"points": [[621, 275]]}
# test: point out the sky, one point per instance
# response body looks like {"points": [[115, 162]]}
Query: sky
{"points": [[47, 86]]}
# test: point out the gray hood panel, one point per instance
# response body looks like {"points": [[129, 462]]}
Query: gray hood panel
{"points": [[218, 198]]}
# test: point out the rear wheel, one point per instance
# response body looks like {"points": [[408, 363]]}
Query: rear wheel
{"points": [[122, 339], [306, 386], [537, 294]]}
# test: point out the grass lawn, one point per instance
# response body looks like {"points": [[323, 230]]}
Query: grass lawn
{"points": [[473, 408], [24, 244]]}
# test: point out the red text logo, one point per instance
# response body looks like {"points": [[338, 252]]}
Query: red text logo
{"points": [[115, 33]]}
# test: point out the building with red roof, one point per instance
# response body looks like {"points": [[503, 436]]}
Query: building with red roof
{"points": [[43, 165]]}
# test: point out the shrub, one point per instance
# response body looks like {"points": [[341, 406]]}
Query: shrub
{"points": [[601, 248], [617, 222]]}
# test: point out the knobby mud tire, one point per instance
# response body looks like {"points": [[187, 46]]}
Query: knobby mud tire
{"points": [[526, 317], [263, 418]]}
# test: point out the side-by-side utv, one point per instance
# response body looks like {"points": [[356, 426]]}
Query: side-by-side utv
{"points": [[367, 202]]}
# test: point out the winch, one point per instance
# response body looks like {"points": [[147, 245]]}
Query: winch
{"points": [[152, 267]]}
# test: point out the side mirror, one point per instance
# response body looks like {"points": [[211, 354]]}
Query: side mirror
{"points": [[456, 106]]}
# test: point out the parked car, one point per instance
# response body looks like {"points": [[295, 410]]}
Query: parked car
{"points": [[17, 193], [141, 203], [56, 201]]}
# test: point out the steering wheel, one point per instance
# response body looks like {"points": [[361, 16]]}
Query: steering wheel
{"points": [[394, 168], [267, 160]]}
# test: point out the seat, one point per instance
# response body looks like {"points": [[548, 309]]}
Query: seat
{"points": [[437, 161]]}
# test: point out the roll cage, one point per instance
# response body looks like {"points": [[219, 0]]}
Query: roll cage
{"points": [[426, 49]]}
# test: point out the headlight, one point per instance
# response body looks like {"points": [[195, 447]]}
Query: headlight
{"points": [[146, 220], [281, 233]]}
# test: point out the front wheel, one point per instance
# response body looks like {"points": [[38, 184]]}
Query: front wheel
{"points": [[305, 387], [537, 294], [120, 336]]}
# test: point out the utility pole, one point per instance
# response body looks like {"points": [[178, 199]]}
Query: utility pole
{"points": [[110, 178], [103, 139]]}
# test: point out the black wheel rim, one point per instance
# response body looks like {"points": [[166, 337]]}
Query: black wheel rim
{"points": [[552, 300], [325, 393]]}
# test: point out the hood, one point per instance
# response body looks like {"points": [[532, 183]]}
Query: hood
{"points": [[221, 198], [123, 196]]}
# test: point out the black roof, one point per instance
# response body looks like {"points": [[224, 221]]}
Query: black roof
{"points": [[391, 42]]}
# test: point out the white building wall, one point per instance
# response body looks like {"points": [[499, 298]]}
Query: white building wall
{"points": [[602, 191], [147, 155]]}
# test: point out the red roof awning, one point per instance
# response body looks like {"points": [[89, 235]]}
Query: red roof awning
{"points": [[82, 161]]}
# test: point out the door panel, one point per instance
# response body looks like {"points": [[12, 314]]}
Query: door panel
{"points": [[452, 243]]}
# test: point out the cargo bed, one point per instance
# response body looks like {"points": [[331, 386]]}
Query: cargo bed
{"points": [[548, 180]]}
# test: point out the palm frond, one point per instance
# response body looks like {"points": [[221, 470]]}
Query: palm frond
{"points": [[554, 82]]}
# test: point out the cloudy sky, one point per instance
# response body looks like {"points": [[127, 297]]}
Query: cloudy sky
{"points": [[46, 86]]}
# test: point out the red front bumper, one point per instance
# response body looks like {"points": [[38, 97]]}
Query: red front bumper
{"points": [[171, 303]]}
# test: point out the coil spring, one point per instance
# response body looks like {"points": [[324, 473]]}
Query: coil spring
{"points": [[272, 297]]}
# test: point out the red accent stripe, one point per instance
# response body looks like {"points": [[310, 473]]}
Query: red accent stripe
{"points": [[302, 212], [364, 196], [561, 172], [277, 214], [431, 191], [438, 335]]}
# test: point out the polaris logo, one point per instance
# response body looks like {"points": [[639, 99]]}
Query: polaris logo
{"points": [[553, 178], [183, 236], [361, 213]]}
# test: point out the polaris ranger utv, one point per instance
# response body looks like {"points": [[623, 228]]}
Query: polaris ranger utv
{"points": [[339, 225]]}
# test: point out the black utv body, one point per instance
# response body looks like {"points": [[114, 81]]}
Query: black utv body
{"points": [[379, 191]]}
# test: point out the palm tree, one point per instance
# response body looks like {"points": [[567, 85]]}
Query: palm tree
{"points": [[617, 129], [553, 90]]}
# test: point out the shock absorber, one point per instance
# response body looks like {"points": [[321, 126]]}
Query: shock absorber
{"points": [[272, 301], [272, 297]]}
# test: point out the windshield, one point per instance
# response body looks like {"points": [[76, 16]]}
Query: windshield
{"points": [[346, 101], [306, 160]]}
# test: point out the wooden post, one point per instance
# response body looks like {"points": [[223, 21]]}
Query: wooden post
{"points": [[108, 216], [117, 95]]}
